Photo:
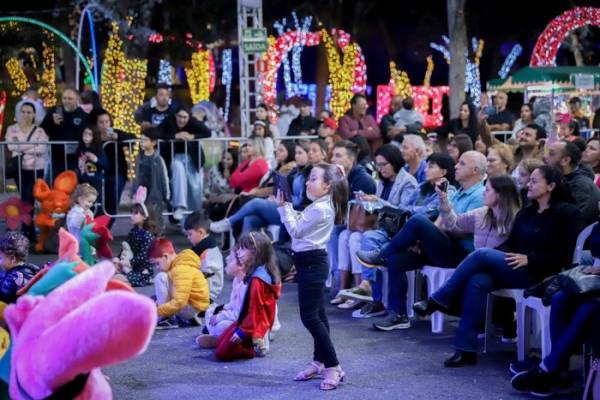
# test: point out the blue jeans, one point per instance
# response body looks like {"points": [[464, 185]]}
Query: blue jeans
{"points": [[373, 240], [256, 214], [482, 272], [437, 249], [312, 270], [571, 321]]}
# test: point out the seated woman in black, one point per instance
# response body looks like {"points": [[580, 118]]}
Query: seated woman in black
{"points": [[540, 244]]}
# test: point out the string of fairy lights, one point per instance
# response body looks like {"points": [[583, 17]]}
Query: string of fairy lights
{"points": [[227, 79], [201, 75], [47, 90]]}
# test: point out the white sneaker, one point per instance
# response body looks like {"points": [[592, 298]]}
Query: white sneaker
{"points": [[178, 214], [349, 304], [220, 226]]}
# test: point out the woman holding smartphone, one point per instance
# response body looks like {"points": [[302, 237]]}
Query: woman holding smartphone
{"points": [[489, 225]]}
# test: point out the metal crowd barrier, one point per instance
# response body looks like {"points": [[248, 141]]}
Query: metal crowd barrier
{"points": [[213, 149]]}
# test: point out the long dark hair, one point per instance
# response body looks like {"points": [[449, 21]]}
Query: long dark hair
{"points": [[260, 246], [392, 155], [234, 153], [509, 204], [333, 175], [290, 146], [473, 130], [96, 145], [554, 175], [152, 221]]}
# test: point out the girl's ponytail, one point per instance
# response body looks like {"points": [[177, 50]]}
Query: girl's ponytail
{"points": [[335, 177]]}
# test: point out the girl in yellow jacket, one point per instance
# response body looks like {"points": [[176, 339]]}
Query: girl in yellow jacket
{"points": [[181, 289]]}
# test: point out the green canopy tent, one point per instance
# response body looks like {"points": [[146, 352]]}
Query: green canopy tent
{"points": [[560, 78]]}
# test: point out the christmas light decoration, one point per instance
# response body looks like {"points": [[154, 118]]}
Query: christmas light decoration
{"points": [[57, 33], [2, 110], [384, 98], [17, 76], [510, 60], [86, 12], [345, 77], [287, 78], [226, 79], [201, 76], [165, 72], [399, 81], [423, 96], [47, 90], [428, 72], [123, 85], [445, 52], [297, 50], [546, 47]]}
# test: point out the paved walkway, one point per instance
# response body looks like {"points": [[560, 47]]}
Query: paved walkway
{"points": [[379, 365]]}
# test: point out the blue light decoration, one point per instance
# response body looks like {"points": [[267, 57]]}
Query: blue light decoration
{"points": [[510, 60], [165, 72], [226, 79], [287, 77], [442, 49], [86, 12], [297, 50]]}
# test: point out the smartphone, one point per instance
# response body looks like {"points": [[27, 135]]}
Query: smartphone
{"points": [[443, 186], [281, 184]]}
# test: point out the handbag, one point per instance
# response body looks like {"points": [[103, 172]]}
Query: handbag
{"points": [[391, 220], [359, 220], [12, 164], [592, 383], [576, 281]]}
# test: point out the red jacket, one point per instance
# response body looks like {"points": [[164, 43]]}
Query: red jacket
{"points": [[247, 176], [258, 309]]}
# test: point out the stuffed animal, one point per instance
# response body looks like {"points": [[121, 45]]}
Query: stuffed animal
{"points": [[86, 320], [60, 341], [124, 259], [96, 236], [54, 205]]}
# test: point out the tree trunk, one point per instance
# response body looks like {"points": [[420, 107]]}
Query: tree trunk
{"points": [[322, 77], [575, 48], [457, 31]]}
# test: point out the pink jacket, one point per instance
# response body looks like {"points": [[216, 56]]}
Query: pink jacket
{"points": [[350, 126], [473, 222], [32, 156]]}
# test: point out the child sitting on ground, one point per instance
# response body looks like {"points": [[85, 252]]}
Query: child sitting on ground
{"points": [[246, 337], [206, 247], [138, 270], [219, 318], [16, 272], [83, 199], [151, 171], [181, 289]]}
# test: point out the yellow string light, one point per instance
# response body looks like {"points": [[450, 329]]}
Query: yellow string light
{"points": [[428, 72], [479, 51], [400, 82], [198, 76], [48, 88], [341, 74], [122, 88], [17, 75]]}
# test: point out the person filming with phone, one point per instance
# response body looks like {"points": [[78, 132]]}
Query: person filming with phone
{"points": [[65, 122]]}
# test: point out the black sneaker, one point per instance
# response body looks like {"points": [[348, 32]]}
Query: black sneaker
{"points": [[370, 258], [369, 310], [392, 322], [516, 367], [536, 381], [167, 323]]}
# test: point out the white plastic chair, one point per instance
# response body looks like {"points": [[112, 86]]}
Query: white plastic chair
{"points": [[436, 277], [410, 293], [535, 304], [517, 296]]}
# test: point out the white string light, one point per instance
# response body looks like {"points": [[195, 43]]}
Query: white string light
{"points": [[226, 79], [510, 60], [165, 72]]}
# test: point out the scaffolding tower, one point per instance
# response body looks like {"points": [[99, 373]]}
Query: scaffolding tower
{"points": [[249, 16]]}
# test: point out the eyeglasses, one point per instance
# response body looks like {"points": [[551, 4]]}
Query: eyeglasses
{"points": [[381, 165]]}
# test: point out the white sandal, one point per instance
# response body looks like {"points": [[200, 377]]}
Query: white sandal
{"points": [[314, 370], [332, 378]]}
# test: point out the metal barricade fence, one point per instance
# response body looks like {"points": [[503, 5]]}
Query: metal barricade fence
{"points": [[212, 147]]}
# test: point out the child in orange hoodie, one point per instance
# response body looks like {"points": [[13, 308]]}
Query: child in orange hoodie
{"points": [[246, 337]]}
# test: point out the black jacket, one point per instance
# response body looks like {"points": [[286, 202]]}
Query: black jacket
{"points": [[116, 151], [303, 126], [585, 192], [547, 239], [169, 129]]}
